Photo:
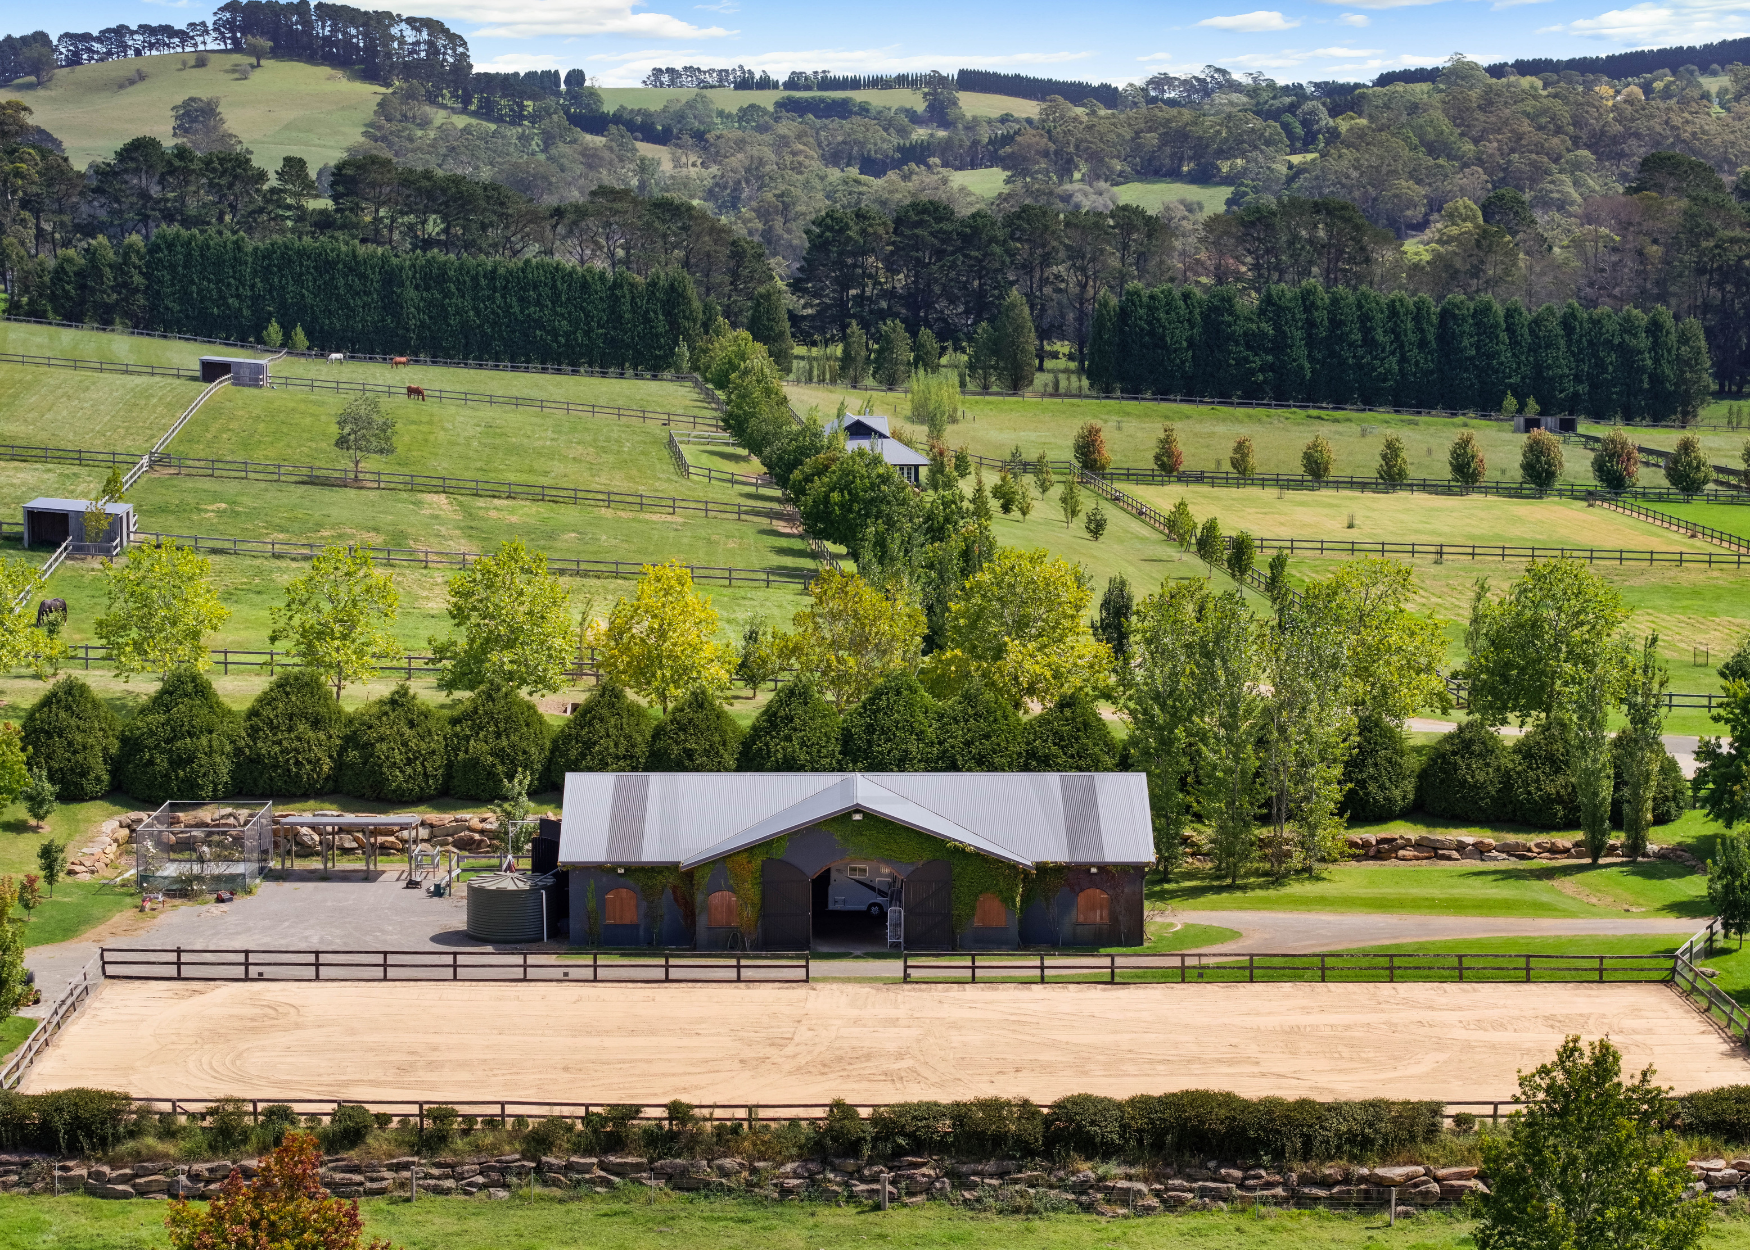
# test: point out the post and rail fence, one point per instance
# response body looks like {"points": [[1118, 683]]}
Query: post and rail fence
{"points": [[189, 964], [1190, 968], [65, 1008]]}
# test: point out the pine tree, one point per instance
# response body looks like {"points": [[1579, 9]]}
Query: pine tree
{"points": [[1492, 363], [1016, 344], [1343, 363], [1603, 395], [1694, 371], [1456, 354], [1634, 363], [1315, 313], [1103, 346], [1577, 342], [1135, 342], [1377, 374], [1548, 369], [1173, 325], [1224, 363], [854, 357], [1287, 371], [1422, 386], [1517, 324], [927, 352], [1394, 463], [1661, 366], [768, 321]]}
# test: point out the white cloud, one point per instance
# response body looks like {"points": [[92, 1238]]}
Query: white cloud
{"points": [[1263, 19], [644, 54], [171, 4], [1643, 25], [1380, 4], [1374, 64], [517, 62], [1355, 19], [722, 6], [534, 19]]}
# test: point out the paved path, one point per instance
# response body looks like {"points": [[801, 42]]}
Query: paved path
{"points": [[1298, 932]]}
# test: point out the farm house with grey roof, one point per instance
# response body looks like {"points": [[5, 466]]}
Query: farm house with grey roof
{"points": [[790, 861]]}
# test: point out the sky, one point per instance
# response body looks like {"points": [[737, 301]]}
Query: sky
{"points": [[617, 41]]}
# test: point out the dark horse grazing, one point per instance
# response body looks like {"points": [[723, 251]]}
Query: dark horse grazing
{"points": [[51, 610]]}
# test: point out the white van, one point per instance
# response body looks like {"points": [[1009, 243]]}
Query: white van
{"points": [[860, 887]]}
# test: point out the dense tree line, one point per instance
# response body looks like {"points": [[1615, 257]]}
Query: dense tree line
{"points": [[1355, 346], [388, 47]]}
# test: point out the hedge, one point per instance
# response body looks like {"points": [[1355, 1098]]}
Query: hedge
{"points": [[64, 1121], [494, 735], [608, 733], [797, 732], [291, 738], [1379, 773], [181, 744], [395, 750], [697, 736], [1462, 778], [74, 735]]}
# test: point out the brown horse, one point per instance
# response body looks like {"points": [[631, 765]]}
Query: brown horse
{"points": [[416, 392], [397, 360]]}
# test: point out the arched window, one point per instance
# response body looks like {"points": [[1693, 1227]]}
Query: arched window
{"points": [[991, 914], [621, 907], [721, 911], [1093, 907]]}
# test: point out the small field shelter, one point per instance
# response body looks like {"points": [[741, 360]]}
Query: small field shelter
{"points": [[51, 522], [242, 370], [786, 861]]}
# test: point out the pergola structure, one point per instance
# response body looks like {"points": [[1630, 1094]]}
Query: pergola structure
{"points": [[328, 828]]}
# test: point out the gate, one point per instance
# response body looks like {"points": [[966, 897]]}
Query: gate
{"points": [[929, 907], [787, 922]]}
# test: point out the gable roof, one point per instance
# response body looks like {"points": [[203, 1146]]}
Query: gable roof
{"points": [[628, 819], [878, 438]]}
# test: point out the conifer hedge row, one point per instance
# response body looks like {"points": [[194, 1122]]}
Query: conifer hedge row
{"points": [[1313, 344], [352, 298]]}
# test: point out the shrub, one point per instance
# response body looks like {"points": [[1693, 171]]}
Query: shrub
{"points": [[348, 1127], [440, 1126], [891, 730], [911, 1128], [181, 744], [494, 735], [997, 1127], [844, 1133], [550, 1137], [1537, 784], [1462, 779], [284, 1204], [291, 738], [277, 1119], [697, 736], [608, 733], [1670, 787], [1205, 1123], [1070, 737], [74, 735], [1723, 1113], [65, 1121], [395, 750], [977, 731], [1087, 1126], [227, 1125], [1540, 459], [797, 732], [1617, 462], [1379, 777]]}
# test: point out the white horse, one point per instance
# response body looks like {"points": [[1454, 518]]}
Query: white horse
{"points": [[335, 358]]}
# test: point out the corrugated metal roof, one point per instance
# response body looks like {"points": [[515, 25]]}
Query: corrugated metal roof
{"points": [[629, 819], [76, 505]]}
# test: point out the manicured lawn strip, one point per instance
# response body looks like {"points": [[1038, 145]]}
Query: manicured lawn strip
{"points": [[1164, 938], [1661, 888], [91, 411], [698, 1223], [1578, 945], [76, 907]]}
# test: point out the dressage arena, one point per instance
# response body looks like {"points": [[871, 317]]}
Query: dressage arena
{"points": [[789, 1043]]}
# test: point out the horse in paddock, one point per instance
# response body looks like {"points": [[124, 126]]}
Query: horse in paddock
{"points": [[416, 392], [395, 361], [54, 610], [335, 358]]}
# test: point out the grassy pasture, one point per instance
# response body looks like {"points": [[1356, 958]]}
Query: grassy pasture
{"points": [[103, 412], [1732, 518], [1152, 193], [973, 103], [286, 108]]}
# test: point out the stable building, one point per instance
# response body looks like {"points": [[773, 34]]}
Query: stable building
{"points": [[923, 861], [872, 433]]}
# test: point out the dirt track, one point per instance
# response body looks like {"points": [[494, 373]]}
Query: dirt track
{"points": [[866, 1042]]}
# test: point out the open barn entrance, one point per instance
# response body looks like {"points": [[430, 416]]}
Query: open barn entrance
{"points": [[851, 899]]}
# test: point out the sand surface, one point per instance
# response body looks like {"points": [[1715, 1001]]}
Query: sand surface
{"points": [[774, 1044]]}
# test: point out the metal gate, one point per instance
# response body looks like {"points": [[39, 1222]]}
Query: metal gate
{"points": [[929, 907], [787, 922]]}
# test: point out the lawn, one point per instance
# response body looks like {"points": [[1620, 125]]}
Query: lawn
{"points": [[1594, 944], [99, 412], [76, 907], [286, 108], [988, 183], [13, 1031], [1732, 518], [1168, 937], [1553, 890]]}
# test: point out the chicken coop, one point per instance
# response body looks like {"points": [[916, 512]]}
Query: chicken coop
{"points": [[195, 848]]}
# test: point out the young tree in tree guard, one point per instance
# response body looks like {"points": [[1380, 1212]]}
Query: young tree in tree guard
{"points": [[608, 733], [1394, 462], [1016, 346], [364, 430], [1687, 468], [892, 729], [51, 861], [285, 1204], [161, 605], [893, 354], [927, 352], [336, 617], [1728, 885], [768, 320], [1694, 380], [1089, 448], [1551, 633], [1317, 459], [1243, 459], [1540, 459], [1069, 737], [797, 732], [1112, 625], [1095, 523], [1211, 548], [1169, 459], [661, 642], [1641, 745], [1020, 624], [1229, 671], [1181, 525], [851, 636], [1465, 460], [1722, 782], [1069, 500], [854, 356], [1043, 480], [1589, 1162], [1242, 553], [1617, 462], [514, 622]]}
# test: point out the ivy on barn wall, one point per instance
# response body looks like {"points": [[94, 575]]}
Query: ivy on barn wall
{"points": [[745, 869], [668, 879], [974, 873]]}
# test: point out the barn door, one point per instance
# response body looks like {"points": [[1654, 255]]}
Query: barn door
{"points": [[787, 920], [929, 907]]}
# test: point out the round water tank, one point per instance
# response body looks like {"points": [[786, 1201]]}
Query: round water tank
{"points": [[505, 907]]}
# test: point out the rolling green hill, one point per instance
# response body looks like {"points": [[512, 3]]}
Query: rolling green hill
{"points": [[974, 103], [285, 108]]}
